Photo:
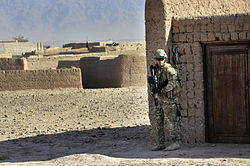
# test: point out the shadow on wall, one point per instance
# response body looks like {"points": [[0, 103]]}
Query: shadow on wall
{"points": [[68, 64], [114, 71], [98, 72]]}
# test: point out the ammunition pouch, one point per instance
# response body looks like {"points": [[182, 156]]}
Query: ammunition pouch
{"points": [[174, 92]]}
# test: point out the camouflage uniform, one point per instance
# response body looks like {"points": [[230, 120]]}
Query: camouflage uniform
{"points": [[168, 114]]}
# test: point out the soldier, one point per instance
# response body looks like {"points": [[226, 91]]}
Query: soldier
{"points": [[167, 114]]}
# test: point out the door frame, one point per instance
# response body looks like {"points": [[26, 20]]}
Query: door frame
{"points": [[205, 81]]}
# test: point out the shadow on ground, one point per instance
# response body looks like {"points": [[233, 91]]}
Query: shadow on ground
{"points": [[124, 142]]}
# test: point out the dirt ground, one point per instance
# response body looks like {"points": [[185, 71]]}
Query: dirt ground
{"points": [[93, 127]]}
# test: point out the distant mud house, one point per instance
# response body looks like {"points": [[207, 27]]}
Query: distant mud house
{"points": [[115, 71], [214, 44], [50, 68]]}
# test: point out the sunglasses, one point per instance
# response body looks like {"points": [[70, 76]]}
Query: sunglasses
{"points": [[159, 59]]}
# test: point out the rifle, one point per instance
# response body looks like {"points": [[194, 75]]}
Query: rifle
{"points": [[153, 82], [175, 58]]}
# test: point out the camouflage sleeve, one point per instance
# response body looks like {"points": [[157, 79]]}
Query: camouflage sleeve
{"points": [[172, 79]]}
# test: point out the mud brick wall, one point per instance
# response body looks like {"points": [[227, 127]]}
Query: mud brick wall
{"points": [[214, 28], [84, 45], [58, 62], [11, 80], [101, 72], [133, 70], [45, 63], [188, 35], [138, 46], [98, 49], [114, 71], [13, 64], [75, 45], [161, 16]]}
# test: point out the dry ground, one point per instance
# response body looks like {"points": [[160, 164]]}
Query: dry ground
{"points": [[93, 127]]}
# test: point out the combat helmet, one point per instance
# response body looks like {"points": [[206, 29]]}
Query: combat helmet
{"points": [[160, 53]]}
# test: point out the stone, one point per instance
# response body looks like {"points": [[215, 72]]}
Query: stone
{"points": [[176, 29], [191, 111], [239, 27], [224, 28], [187, 48], [198, 92], [204, 37], [182, 37], [190, 67], [190, 28], [190, 37], [210, 27], [234, 36], [190, 77], [211, 36], [246, 26], [190, 58], [226, 36], [183, 59], [190, 85], [198, 66], [197, 28], [182, 29], [183, 105], [242, 35], [203, 28], [200, 130], [231, 28], [197, 37], [175, 38], [196, 48], [217, 28], [218, 37], [198, 76]]}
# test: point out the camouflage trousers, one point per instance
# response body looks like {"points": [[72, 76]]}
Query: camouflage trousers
{"points": [[168, 122]]}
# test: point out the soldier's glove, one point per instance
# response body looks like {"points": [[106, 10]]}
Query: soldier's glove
{"points": [[150, 80], [163, 85], [158, 90]]}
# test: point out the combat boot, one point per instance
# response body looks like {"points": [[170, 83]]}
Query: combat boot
{"points": [[173, 146], [158, 147]]}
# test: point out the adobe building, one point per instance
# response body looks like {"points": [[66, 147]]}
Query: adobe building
{"points": [[113, 71], [212, 38], [124, 70]]}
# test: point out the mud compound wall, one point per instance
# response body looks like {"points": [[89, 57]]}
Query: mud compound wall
{"points": [[39, 79], [58, 62], [114, 71], [45, 63], [13, 64], [159, 14], [100, 72], [188, 34], [138, 46], [133, 70]]}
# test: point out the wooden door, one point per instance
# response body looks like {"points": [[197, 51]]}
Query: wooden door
{"points": [[227, 93]]}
